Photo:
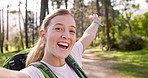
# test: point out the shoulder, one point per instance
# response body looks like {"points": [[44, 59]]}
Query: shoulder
{"points": [[77, 46], [33, 72], [77, 51]]}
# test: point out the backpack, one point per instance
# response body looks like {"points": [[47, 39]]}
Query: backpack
{"points": [[17, 62]]}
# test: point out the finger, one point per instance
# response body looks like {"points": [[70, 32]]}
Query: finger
{"points": [[96, 15], [90, 16]]}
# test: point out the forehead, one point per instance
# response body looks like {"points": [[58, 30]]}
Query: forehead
{"points": [[63, 19]]}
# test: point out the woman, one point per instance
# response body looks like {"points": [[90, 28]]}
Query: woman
{"points": [[57, 41]]}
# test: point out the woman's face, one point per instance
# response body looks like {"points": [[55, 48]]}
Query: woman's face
{"points": [[60, 36]]}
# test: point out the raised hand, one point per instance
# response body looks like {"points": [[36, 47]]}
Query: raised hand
{"points": [[97, 19]]}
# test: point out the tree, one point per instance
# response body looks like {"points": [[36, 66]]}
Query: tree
{"points": [[98, 7], [113, 18], [44, 9], [78, 13], [26, 27], [7, 31], [127, 11], [36, 28], [66, 3], [21, 35], [107, 3], [3, 31], [31, 26], [0, 30], [139, 24]]}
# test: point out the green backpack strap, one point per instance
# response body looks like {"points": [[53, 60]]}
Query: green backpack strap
{"points": [[45, 69], [47, 72], [6, 63], [74, 65]]}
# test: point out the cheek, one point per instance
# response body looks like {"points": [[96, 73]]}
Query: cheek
{"points": [[51, 34], [52, 38], [49, 38], [74, 39]]}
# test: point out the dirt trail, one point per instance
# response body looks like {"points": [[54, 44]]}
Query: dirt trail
{"points": [[95, 68]]}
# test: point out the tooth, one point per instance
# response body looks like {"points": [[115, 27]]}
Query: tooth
{"points": [[63, 44]]}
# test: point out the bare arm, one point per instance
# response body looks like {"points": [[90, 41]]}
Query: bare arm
{"points": [[90, 33], [5, 73]]}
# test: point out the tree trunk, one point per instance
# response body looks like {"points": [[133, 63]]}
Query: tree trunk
{"points": [[26, 28], [0, 31], [47, 8], [44, 5], [98, 12], [113, 17], [7, 33], [128, 22], [33, 29], [129, 26], [81, 19], [98, 8], [107, 27], [21, 36], [33, 34], [3, 36], [66, 3], [36, 28], [0, 24]]}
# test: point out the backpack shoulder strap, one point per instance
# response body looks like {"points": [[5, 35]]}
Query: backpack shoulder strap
{"points": [[47, 72], [74, 65]]}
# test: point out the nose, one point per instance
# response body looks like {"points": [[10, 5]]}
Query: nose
{"points": [[66, 35]]}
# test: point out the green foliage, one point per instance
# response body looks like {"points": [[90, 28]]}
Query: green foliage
{"points": [[16, 43], [140, 23], [121, 23], [114, 44], [130, 42], [146, 44], [136, 6], [125, 40]]}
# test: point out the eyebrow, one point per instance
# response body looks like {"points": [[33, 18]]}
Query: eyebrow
{"points": [[63, 25], [73, 26]]}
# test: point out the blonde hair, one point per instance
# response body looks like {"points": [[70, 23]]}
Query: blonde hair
{"points": [[37, 52]]}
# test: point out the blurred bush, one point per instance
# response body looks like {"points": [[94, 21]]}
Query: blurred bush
{"points": [[130, 42]]}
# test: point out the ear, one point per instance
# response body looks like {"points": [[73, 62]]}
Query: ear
{"points": [[42, 33]]}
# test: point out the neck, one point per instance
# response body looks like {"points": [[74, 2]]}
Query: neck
{"points": [[53, 60]]}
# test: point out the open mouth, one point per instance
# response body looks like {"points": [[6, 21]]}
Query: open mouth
{"points": [[63, 45]]}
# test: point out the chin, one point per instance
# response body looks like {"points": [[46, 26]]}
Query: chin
{"points": [[63, 56]]}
